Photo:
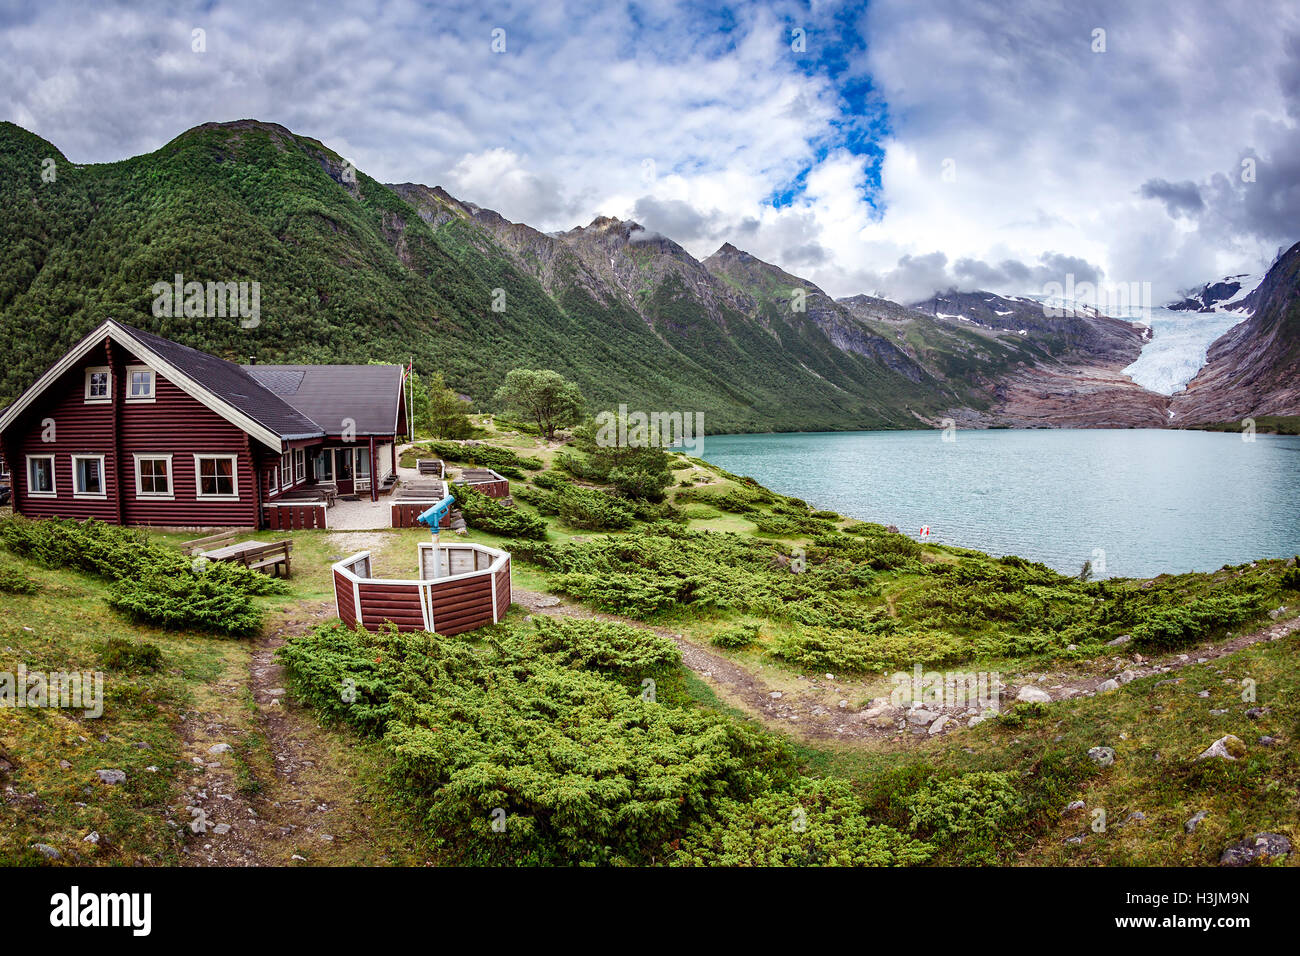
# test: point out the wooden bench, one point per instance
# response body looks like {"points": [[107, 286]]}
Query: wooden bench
{"points": [[430, 466], [268, 558], [211, 542]]}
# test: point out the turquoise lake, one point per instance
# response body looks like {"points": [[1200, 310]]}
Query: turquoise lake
{"points": [[1143, 501]]}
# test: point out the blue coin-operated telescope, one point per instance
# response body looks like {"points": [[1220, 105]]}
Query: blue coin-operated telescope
{"points": [[433, 519]]}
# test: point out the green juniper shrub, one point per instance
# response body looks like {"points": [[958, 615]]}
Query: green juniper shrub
{"points": [[549, 724], [813, 823], [489, 514], [1176, 626], [622, 593], [550, 480], [652, 511], [151, 583], [592, 510], [488, 456], [14, 580], [736, 637], [121, 654], [546, 502], [822, 649], [635, 470], [187, 600], [975, 812], [625, 654]]}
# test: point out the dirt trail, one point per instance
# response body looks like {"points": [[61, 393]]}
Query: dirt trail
{"points": [[280, 795], [818, 714]]}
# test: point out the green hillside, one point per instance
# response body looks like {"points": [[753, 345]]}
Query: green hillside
{"points": [[350, 272]]}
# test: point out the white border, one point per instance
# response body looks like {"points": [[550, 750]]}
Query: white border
{"points": [[137, 457], [153, 386], [103, 478], [86, 396], [54, 477]]}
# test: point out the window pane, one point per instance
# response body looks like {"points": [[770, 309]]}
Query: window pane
{"points": [[216, 476], [153, 476], [42, 474], [88, 477]]}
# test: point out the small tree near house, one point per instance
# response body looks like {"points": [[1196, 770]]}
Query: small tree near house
{"points": [[448, 413], [542, 396]]}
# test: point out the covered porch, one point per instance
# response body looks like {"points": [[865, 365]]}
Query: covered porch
{"points": [[320, 502]]}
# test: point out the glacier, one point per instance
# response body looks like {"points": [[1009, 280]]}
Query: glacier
{"points": [[1178, 346]]}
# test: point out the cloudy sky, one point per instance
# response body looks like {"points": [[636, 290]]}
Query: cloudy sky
{"points": [[894, 147]]}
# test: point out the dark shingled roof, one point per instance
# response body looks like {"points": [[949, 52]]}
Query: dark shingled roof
{"points": [[369, 395], [232, 384]]}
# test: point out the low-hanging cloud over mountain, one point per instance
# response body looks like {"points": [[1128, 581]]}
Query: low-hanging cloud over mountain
{"points": [[898, 147]]}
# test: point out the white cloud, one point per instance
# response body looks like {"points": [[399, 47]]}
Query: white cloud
{"points": [[1051, 144]]}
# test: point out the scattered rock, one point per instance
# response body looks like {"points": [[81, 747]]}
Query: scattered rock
{"points": [[776, 695], [47, 851], [111, 776], [1074, 807], [221, 829], [1261, 846], [1255, 713], [91, 837], [1106, 686], [220, 749], [1120, 641], [1127, 677], [939, 724], [1102, 756], [1033, 695], [1267, 741], [1191, 825], [1227, 747], [921, 716], [1137, 816]]}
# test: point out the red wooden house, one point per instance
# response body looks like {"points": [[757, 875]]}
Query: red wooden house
{"points": [[132, 428]]}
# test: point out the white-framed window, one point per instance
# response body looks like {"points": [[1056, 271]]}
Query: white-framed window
{"points": [[216, 476], [325, 464], [99, 384], [299, 465], [153, 477], [88, 477], [286, 468], [274, 479], [40, 476], [139, 383]]}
